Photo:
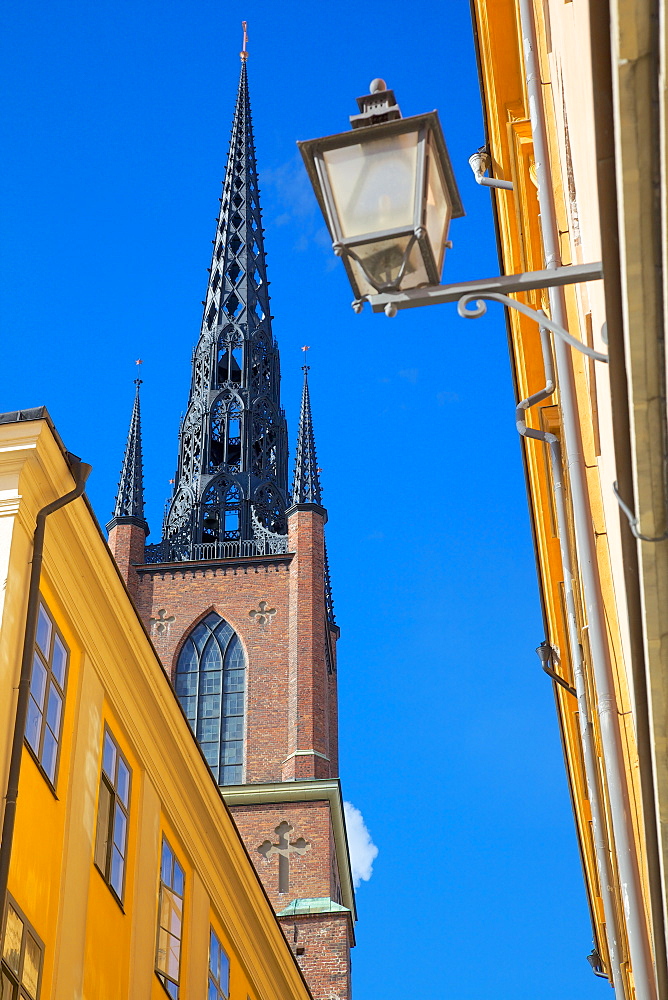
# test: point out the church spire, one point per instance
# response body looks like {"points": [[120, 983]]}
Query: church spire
{"points": [[306, 484], [129, 507], [231, 482]]}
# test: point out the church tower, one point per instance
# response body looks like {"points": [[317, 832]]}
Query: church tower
{"points": [[236, 595]]}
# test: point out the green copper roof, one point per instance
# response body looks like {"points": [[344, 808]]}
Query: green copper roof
{"points": [[321, 905]]}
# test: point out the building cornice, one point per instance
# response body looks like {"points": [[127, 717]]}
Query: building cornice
{"points": [[312, 790]]}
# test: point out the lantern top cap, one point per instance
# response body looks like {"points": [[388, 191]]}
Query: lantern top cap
{"points": [[379, 105]]}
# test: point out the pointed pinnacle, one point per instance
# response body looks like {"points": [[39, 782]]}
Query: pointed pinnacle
{"points": [[306, 485], [130, 498]]}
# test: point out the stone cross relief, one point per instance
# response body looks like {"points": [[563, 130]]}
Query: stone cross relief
{"points": [[284, 848]]}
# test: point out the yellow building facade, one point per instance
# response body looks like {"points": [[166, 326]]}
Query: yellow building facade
{"points": [[574, 101], [127, 877]]}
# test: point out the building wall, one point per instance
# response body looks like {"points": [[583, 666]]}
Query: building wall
{"points": [[568, 85], [115, 679]]}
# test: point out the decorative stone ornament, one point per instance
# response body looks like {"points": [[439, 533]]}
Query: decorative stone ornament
{"points": [[160, 625], [263, 613]]}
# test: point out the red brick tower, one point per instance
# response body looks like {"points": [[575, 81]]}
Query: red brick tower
{"points": [[237, 599]]}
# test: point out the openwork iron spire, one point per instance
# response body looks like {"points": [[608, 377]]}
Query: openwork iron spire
{"points": [[231, 481], [306, 485], [129, 507]]}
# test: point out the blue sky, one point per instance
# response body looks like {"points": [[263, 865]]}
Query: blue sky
{"points": [[116, 121]]}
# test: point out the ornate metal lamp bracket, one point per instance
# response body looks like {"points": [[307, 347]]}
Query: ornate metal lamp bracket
{"points": [[497, 290], [479, 309]]}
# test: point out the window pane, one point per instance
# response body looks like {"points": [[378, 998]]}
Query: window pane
{"points": [[171, 911], [209, 683], [167, 959], [234, 680], [210, 751], [166, 866], [103, 821], [116, 874], [59, 660], [53, 710], [224, 973], [109, 757], [208, 730], [214, 954], [232, 775], [209, 706], [188, 706], [120, 828], [31, 963], [49, 753], [178, 878], [186, 683], [11, 952], [213, 993], [233, 753], [123, 781], [33, 725], [234, 704], [43, 631], [233, 728], [6, 988], [200, 635], [211, 659], [38, 681], [173, 990]]}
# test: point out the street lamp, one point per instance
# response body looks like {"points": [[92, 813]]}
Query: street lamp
{"points": [[388, 192]]}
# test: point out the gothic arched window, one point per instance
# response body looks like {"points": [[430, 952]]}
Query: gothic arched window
{"points": [[211, 685]]}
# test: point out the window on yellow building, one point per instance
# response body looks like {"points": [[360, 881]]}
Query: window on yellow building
{"points": [[21, 965], [112, 816], [47, 695], [219, 970], [170, 921]]}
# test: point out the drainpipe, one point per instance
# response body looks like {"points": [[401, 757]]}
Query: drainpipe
{"points": [[80, 472], [604, 868], [608, 711], [479, 163]]}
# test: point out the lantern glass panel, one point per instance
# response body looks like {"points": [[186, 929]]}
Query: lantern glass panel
{"points": [[382, 261], [438, 209], [374, 184]]}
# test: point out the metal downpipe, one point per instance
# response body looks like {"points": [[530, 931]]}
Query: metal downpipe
{"points": [[608, 712], [80, 471], [586, 729]]}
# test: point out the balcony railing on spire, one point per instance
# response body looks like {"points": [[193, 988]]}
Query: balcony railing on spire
{"points": [[264, 543]]}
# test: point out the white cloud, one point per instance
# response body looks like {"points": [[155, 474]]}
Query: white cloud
{"points": [[363, 851]]}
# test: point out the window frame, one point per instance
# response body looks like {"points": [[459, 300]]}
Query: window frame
{"points": [[20, 992], [163, 977], [213, 979], [114, 800], [192, 696], [51, 679]]}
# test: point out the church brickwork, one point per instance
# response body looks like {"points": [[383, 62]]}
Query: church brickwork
{"points": [[241, 554]]}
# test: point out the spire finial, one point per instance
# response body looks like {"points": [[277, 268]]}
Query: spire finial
{"points": [[244, 51], [306, 485], [129, 506]]}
